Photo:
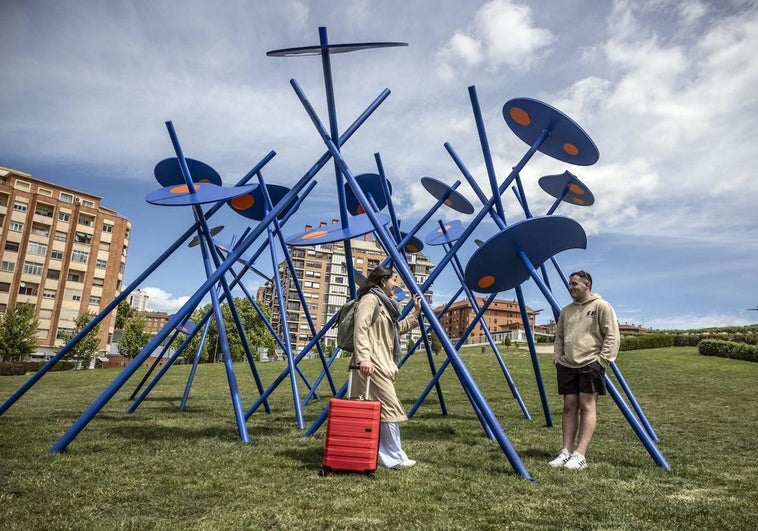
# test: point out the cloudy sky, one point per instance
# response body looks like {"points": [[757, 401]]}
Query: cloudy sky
{"points": [[666, 89]]}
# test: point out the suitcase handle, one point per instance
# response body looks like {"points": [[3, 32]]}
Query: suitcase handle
{"points": [[352, 368]]}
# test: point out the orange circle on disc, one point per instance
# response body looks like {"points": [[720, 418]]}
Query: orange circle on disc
{"points": [[360, 209], [243, 202], [448, 202], [520, 116], [486, 281], [182, 189], [577, 200], [571, 149], [575, 188], [314, 234], [411, 248], [204, 181], [447, 227]]}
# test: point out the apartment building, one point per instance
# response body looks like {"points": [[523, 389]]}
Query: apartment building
{"points": [[503, 319], [60, 251], [323, 278]]}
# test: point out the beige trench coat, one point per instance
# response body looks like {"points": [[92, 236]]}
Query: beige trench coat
{"points": [[374, 343]]}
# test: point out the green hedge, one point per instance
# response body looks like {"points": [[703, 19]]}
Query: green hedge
{"points": [[728, 349], [640, 341], [16, 368]]}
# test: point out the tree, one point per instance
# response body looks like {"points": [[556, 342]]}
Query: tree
{"points": [[18, 332], [435, 344], [86, 348], [124, 312], [256, 332], [134, 337]]}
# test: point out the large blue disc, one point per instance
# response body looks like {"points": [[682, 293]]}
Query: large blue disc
{"points": [[357, 226], [567, 142], [497, 265]]}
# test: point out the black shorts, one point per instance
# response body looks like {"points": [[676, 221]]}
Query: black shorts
{"points": [[588, 379]]}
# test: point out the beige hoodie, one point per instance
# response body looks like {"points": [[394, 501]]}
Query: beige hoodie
{"points": [[586, 332]]}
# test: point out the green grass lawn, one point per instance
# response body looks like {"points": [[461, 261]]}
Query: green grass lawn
{"points": [[163, 469]]}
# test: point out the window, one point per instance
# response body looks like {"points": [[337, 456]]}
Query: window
{"points": [[20, 207], [105, 246], [94, 301], [79, 256], [48, 294], [53, 274], [45, 191], [22, 185], [15, 226], [64, 216], [97, 281], [5, 287], [56, 255], [64, 333], [37, 248], [33, 268], [107, 228], [74, 277], [88, 204], [101, 264], [83, 237], [66, 198], [7, 266], [87, 221], [59, 236], [11, 246], [72, 294], [27, 289], [45, 210]]}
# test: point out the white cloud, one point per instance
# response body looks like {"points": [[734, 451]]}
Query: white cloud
{"points": [[162, 301], [503, 35]]}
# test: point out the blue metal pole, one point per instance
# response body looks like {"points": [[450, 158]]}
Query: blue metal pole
{"points": [[407, 276]]}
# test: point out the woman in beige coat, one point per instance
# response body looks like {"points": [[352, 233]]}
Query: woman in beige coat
{"points": [[377, 352]]}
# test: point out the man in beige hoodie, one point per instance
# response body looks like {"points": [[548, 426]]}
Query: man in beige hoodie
{"points": [[586, 341]]}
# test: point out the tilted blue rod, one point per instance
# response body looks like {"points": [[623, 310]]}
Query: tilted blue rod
{"points": [[121, 296], [485, 145], [545, 289], [286, 334], [153, 365], [296, 281], [637, 408], [488, 430], [474, 305], [387, 195], [331, 107], [299, 357], [432, 365], [636, 426], [183, 312], [519, 291], [407, 276], [195, 360]]}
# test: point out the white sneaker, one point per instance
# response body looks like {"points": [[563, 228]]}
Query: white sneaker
{"points": [[576, 462], [408, 463], [561, 460]]}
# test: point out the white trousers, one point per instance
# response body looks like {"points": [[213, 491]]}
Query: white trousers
{"points": [[390, 451]]}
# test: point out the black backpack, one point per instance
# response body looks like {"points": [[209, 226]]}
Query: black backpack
{"points": [[346, 324]]}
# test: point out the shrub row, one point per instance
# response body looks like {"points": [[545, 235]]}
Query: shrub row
{"points": [[640, 341], [692, 339], [16, 368], [728, 349], [661, 339]]}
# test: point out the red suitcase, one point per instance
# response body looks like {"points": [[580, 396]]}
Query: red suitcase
{"points": [[352, 434]]}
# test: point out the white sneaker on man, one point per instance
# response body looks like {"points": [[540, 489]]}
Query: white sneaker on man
{"points": [[561, 460], [576, 462]]}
